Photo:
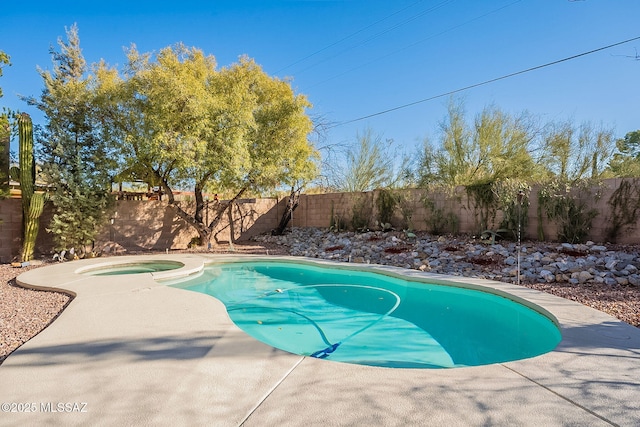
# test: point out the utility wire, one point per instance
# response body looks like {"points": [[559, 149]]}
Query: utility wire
{"points": [[406, 21], [348, 37], [486, 82], [455, 27]]}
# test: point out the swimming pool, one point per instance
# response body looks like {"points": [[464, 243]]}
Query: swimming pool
{"points": [[364, 317]]}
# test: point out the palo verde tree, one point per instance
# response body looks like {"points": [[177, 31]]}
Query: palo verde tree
{"points": [[490, 157], [495, 147], [76, 159], [180, 122], [449, 162], [370, 163], [575, 160], [367, 165], [571, 153]]}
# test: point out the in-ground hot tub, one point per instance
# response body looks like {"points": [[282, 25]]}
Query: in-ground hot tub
{"points": [[137, 267]]}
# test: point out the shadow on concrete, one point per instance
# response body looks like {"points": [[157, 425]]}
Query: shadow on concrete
{"points": [[605, 335], [141, 350]]}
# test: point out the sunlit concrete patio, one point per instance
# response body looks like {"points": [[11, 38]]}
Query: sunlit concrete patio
{"points": [[130, 350]]}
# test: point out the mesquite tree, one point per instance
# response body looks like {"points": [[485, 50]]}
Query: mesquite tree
{"points": [[181, 122]]}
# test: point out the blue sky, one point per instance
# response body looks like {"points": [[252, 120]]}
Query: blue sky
{"points": [[354, 58]]}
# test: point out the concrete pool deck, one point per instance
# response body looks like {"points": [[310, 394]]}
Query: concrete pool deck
{"points": [[129, 350]]}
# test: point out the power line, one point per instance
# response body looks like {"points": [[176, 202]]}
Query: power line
{"points": [[373, 37], [455, 27], [348, 36], [486, 82]]}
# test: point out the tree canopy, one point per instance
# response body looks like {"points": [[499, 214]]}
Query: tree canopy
{"points": [[499, 146], [4, 60], [626, 162], [495, 147], [172, 119], [179, 121], [367, 165], [630, 144], [571, 153]]}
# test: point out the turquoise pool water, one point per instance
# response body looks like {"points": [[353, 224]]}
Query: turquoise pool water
{"points": [[133, 268], [374, 319]]}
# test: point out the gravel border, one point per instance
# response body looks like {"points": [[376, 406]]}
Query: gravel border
{"points": [[26, 312]]}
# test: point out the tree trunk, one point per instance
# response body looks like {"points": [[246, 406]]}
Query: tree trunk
{"points": [[231, 226], [292, 204], [205, 231], [199, 205]]}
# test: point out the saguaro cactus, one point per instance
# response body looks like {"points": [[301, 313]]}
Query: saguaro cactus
{"points": [[32, 204]]}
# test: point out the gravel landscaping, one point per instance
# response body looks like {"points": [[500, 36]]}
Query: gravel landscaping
{"points": [[24, 312], [605, 277]]}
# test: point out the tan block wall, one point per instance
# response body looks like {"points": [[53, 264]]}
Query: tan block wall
{"points": [[10, 229], [316, 211], [145, 225], [142, 225]]}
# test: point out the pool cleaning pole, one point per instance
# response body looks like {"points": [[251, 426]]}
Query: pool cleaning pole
{"points": [[520, 196]]}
